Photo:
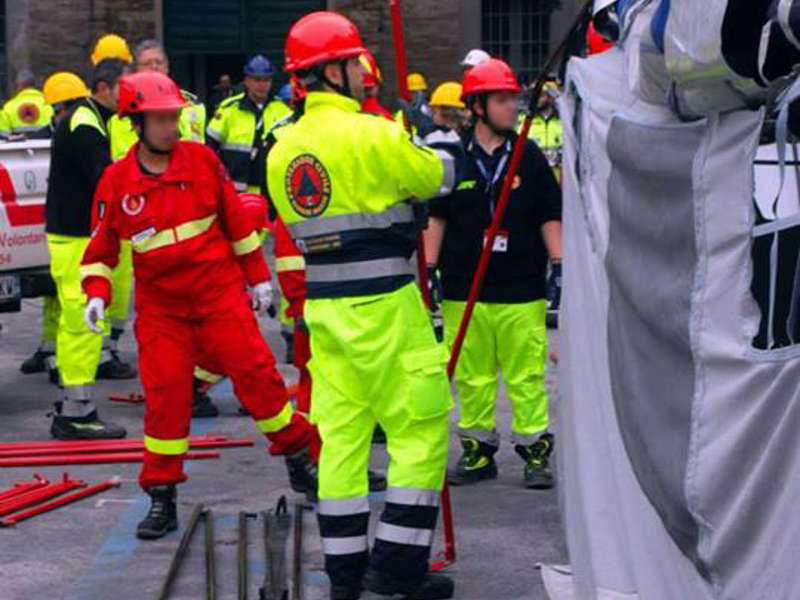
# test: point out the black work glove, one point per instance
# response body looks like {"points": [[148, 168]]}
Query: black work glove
{"points": [[553, 286]]}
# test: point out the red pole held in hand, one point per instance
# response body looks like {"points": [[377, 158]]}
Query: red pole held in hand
{"points": [[505, 193], [422, 265]]}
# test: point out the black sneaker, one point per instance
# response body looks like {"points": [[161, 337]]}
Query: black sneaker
{"points": [[203, 407], [476, 463], [89, 427], [115, 369], [432, 586], [37, 363], [162, 516], [302, 474], [537, 456]]}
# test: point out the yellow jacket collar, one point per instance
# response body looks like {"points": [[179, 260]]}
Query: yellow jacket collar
{"points": [[318, 99]]}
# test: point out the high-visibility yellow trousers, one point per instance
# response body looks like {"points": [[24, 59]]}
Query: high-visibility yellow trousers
{"points": [[374, 359], [511, 338], [51, 314], [78, 349]]}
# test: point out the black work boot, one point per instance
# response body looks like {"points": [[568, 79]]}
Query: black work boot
{"points": [[36, 363], [377, 482], [476, 463], [162, 516], [432, 586], [302, 474], [115, 369], [536, 456], [203, 407], [89, 427]]}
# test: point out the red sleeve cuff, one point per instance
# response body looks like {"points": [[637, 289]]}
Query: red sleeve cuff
{"points": [[255, 267], [98, 287]]}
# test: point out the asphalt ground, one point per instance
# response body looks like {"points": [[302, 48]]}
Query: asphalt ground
{"points": [[88, 550]]}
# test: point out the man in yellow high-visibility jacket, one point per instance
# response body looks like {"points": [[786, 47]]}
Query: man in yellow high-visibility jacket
{"points": [[27, 111]]}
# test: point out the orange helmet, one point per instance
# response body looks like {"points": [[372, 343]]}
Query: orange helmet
{"points": [[147, 91], [255, 205], [493, 75], [596, 43], [372, 75], [321, 37]]}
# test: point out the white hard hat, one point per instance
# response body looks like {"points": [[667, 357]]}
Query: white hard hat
{"points": [[475, 57]]}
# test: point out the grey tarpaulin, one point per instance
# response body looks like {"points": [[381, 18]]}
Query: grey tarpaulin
{"points": [[680, 467]]}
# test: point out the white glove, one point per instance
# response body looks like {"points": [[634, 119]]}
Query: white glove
{"points": [[261, 296], [95, 312]]}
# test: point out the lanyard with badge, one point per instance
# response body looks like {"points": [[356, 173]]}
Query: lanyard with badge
{"points": [[501, 240]]}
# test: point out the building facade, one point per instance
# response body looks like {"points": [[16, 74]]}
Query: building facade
{"points": [[208, 38]]}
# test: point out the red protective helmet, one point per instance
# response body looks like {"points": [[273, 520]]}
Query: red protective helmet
{"points": [[321, 37], [493, 75], [255, 205], [148, 91], [596, 43], [372, 74]]}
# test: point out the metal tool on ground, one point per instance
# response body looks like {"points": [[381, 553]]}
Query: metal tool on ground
{"points": [[422, 267], [36, 496], [119, 446], [26, 486], [91, 459], [58, 502], [297, 552], [180, 552], [277, 525], [211, 561], [241, 554]]}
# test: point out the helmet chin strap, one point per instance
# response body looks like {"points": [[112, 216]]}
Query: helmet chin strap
{"points": [[317, 72]]}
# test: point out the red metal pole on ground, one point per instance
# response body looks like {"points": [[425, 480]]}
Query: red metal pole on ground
{"points": [[119, 446], [422, 265], [34, 497], [22, 488], [91, 459], [69, 444], [58, 502], [502, 203]]}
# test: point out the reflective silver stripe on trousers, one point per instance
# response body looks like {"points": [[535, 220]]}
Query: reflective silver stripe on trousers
{"points": [[402, 213], [344, 545], [404, 535], [413, 496], [367, 269], [526, 439], [343, 507], [487, 437], [449, 175]]}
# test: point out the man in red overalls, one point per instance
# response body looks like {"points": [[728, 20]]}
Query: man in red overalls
{"points": [[195, 253]]}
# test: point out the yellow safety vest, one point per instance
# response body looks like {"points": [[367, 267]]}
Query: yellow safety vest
{"points": [[192, 127], [233, 130], [25, 113], [340, 181]]}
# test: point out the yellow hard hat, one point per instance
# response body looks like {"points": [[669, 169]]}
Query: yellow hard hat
{"points": [[448, 94], [416, 82], [111, 46], [63, 86]]}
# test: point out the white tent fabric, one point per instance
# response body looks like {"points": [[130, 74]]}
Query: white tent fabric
{"points": [[680, 465]]}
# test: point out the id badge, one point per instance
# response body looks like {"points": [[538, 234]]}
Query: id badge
{"points": [[500, 241]]}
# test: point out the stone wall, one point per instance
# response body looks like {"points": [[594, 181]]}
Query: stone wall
{"points": [[51, 35]]}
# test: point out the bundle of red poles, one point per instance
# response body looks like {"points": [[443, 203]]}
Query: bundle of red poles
{"points": [[26, 454]]}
